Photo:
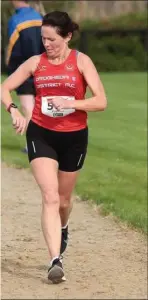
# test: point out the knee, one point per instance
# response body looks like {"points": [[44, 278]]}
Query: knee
{"points": [[50, 199], [65, 201]]}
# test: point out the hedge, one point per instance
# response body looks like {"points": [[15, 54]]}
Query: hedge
{"points": [[123, 49], [117, 53], [112, 52]]}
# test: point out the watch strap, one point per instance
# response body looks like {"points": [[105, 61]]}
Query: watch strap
{"points": [[11, 105]]}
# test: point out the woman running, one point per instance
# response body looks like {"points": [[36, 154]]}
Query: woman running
{"points": [[57, 135]]}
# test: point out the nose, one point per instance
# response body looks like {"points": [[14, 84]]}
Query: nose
{"points": [[46, 42]]}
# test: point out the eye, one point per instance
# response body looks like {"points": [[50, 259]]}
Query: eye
{"points": [[48, 39]]}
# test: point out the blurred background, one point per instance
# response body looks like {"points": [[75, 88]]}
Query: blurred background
{"points": [[115, 35]]}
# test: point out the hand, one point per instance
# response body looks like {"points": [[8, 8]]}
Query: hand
{"points": [[59, 103], [18, 121]]}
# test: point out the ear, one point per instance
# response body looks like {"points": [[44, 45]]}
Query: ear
{"points": [[68, 38]]}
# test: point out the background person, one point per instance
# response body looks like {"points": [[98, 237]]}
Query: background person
{"points": [[24, 33]]}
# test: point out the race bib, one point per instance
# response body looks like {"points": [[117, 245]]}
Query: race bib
{"points": [[48, 109]]}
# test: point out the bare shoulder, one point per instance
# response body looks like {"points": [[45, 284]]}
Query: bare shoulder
{"points": [[83, 61], [33, 62], [83, 57]]}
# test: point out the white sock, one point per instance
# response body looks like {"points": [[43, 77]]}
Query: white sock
{"points": [[51, 262], [64, 227]]}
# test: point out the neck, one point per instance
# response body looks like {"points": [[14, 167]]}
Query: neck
{"points": [[60, 56], [22, 4]]}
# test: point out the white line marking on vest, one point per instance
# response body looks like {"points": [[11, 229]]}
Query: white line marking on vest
{"points": [[33, 147], [79, 160]]}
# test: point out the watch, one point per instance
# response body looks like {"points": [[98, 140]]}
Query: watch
{"points": [[11, 105]]}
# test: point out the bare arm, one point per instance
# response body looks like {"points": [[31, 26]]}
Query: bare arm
{"points": [[98, 102], [17, 78], [12, 82]]}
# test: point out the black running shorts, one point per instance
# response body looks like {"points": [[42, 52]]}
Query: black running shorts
{"points": [[68, 148]]}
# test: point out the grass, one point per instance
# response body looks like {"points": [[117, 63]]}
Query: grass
{"points": [[114, 173]]}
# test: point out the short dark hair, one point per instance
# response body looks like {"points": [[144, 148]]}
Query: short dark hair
{"points": [[62, 21]]}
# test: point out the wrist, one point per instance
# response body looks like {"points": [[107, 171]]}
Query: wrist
{"points": [[13, 110], [11, 107], [72, 104]]}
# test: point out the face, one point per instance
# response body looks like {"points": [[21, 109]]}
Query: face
{"points": [[52, 41], [14, 3]]}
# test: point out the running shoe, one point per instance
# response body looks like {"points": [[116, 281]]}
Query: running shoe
{"points": [[24, 150], [55, 272]]}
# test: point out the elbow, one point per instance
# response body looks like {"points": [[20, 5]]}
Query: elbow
{"points": [[101, 105]]}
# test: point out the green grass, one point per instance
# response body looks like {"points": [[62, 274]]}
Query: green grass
{"points": [[114, 173]]}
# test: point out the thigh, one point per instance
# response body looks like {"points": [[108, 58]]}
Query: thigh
{"points": [[37, 143], [73, 158], [45, 173]]}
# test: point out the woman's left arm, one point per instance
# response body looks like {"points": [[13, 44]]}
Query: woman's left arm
{"points": [[98, 102]]}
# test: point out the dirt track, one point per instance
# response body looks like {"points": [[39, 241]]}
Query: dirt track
{"points": [[104, 260]]}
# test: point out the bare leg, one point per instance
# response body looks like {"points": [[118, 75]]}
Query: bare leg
{"points": [[45, 172], [67, 181]]}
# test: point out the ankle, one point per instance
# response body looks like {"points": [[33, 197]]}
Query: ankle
{"points": [[65, 226], [56, 258]]}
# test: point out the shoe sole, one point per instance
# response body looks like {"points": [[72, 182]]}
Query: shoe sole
{"points": [[56, 275]]}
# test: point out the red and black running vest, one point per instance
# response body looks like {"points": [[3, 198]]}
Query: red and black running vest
{"points": [[64, 79]]}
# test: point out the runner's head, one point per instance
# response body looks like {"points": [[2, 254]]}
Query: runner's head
{"points": [[18, 4], [57, 30]]}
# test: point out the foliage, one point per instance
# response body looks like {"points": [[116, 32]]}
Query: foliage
{"points": [[114, 173], [129, 21], [115, 52]]}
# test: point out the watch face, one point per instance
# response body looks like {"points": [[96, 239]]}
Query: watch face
{"points": [[13, 105]]}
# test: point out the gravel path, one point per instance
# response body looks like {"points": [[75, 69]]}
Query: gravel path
{"points": [[104, 260]]}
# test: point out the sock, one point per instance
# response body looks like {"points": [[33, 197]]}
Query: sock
{"points": [[51, 262], [65, 226]]}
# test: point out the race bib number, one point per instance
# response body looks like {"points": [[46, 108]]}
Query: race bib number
{"points": [[48, 109]]}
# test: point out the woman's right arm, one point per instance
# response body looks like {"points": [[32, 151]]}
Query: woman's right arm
{"points": [[23, 72], [11, 83]]}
